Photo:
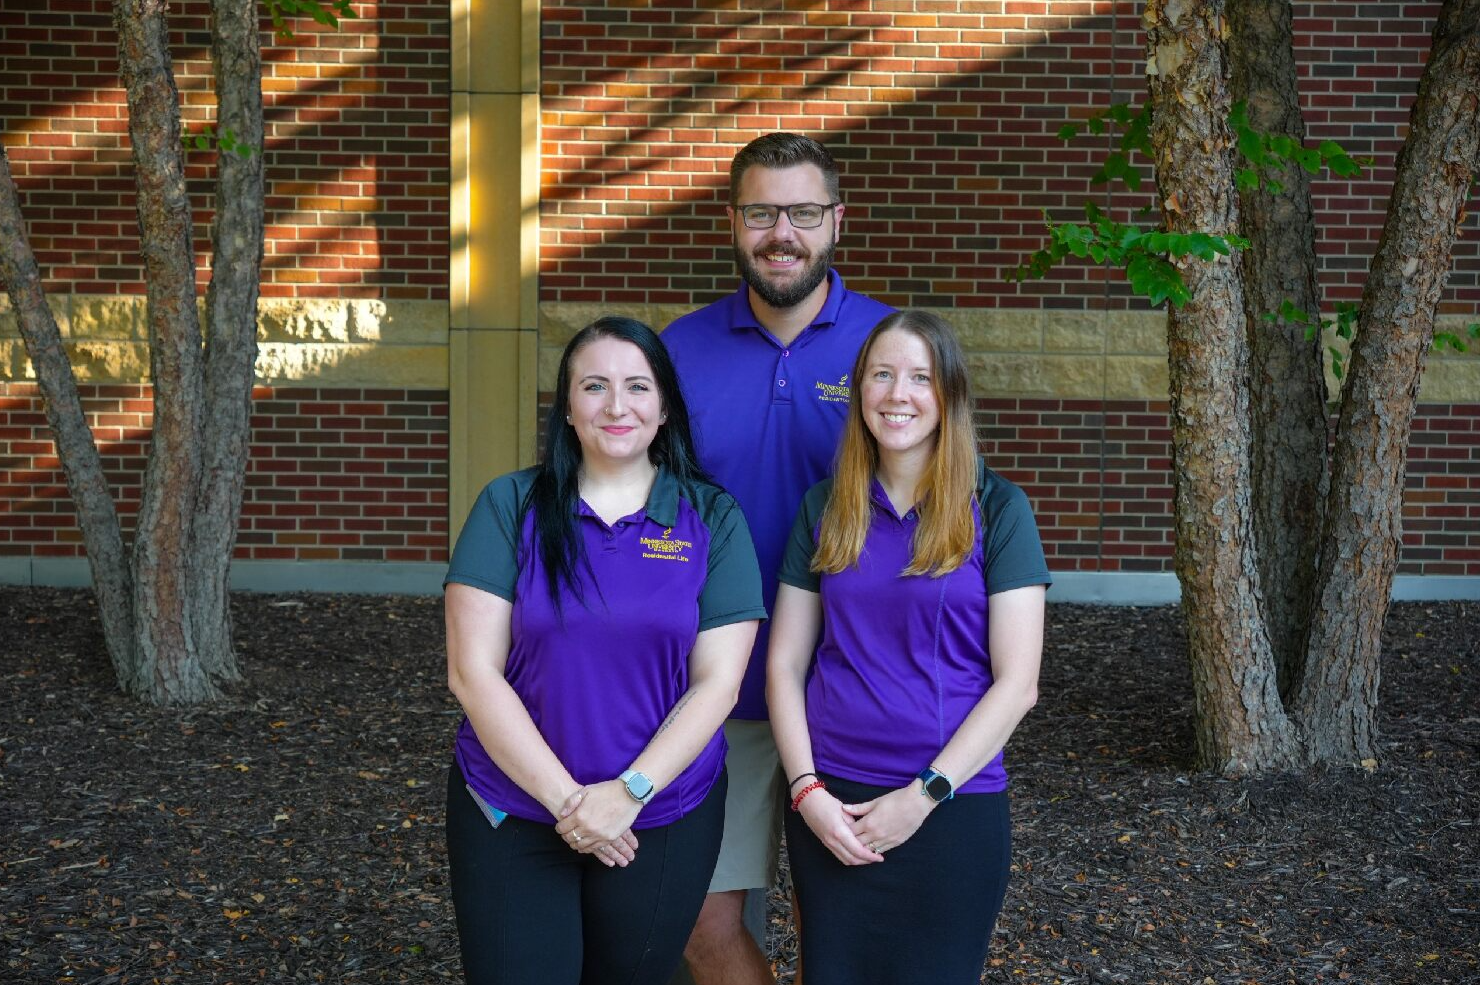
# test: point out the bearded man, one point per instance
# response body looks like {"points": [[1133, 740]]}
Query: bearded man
{"points": [[765, 374]]}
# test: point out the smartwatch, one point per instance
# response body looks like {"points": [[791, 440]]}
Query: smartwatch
{"points": [[639, 787], [938, 787]]}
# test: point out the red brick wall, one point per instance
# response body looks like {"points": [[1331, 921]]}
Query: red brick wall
{"points": [[344, 474], [1099, 476], [357, 147], [943, 117]]}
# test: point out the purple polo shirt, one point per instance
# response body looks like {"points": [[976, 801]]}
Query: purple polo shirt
{"points": [[767, 418], [599, 681], [903, 660]]}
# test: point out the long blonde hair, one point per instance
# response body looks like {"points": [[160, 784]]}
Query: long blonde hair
{"points": [[945, 536]]}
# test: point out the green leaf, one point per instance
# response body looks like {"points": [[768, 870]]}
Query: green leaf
{"points": [[1337, 370], [1309, 159], [1473, 330], [1274, 187], [1290, 313], [1283, 146], [1441, 339], [1238, 116], [1247, 180], [1251, 146], [1068, 131], [1115, 166]]}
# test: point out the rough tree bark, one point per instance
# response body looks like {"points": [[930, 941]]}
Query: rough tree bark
{"points": [[1337, 700], [1241, 723], [168, 665], [101, 534], [165, 609], [1288, 385], [231, 310]]}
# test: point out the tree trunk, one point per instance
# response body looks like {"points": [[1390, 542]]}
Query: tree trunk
{"points": [[168, 670], [1288, 385], [75, 447], [231, 348], [1241, 724], [1337, 701]]}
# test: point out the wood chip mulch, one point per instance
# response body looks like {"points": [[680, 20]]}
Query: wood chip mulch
{"points": [[294, 832]]}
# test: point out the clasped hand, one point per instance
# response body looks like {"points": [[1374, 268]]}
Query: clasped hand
{"points": [[597, 820], [858, 834]]}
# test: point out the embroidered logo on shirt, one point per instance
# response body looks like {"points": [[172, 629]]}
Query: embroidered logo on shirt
{"points": [[833, 393], [665, 548]]}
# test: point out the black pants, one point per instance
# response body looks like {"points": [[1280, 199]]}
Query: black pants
{"points": [[923, 916], [531, 910]]}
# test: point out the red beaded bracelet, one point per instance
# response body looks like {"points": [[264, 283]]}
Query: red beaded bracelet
{"points": [[796, 802]]}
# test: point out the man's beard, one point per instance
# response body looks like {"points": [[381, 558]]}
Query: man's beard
{"points": [[801, 288]]}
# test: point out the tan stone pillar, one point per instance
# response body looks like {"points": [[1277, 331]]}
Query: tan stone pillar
{"points": [[495, 185]]}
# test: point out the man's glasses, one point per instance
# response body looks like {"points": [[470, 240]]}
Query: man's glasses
{"points": [[804, 215]]}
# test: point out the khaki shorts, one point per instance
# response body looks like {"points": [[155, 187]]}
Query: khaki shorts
{"points": [[752, 836]]}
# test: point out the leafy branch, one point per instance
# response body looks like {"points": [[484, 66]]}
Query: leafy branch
{"points": [[1148, 255], [1454, 341], [1136, 137], [226, 141], [1143, 253], [1343, 326], [280, 11], [1268, 152], [327, 14]]}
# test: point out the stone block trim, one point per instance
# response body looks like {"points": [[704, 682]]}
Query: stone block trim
{"points": [[357, 147], [312, 341], [335, 474], [943, 117], [1094, 355]]}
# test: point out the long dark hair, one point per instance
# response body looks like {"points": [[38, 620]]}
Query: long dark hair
{"points": [[556, 488]]}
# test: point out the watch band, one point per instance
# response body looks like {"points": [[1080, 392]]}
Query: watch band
{"points": [[936, 785], [639, 786]]}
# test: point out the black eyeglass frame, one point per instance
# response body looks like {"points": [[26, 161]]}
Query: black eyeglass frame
{"points": [[743, 209]]}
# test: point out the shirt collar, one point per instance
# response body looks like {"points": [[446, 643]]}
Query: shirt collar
{"points": [[662, 502], [742, 317]]}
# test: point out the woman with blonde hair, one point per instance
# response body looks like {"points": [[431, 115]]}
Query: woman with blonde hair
{"points": [[905, 649]]}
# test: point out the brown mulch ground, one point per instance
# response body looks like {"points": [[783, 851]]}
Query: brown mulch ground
{"points": [[294, 833]]}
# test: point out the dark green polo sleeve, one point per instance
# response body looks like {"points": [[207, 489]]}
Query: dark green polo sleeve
{"points": [[487, 552], [796, 563], [732, 583], [1012, 554]]}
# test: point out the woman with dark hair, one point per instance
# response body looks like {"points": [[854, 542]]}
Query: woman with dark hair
{"points": [[904, 651], [600, 610]]}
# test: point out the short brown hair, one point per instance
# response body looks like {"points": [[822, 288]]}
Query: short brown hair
{"points": [[783, 150]]}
